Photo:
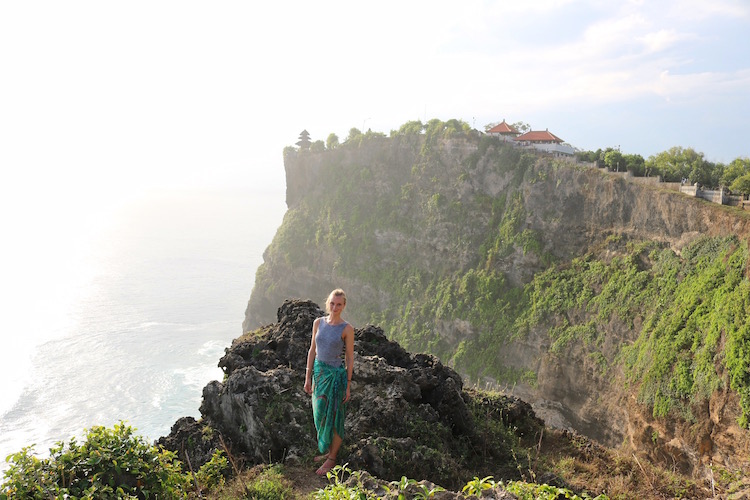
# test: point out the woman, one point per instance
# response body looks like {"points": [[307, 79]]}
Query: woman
{"points": [[328, 377]]}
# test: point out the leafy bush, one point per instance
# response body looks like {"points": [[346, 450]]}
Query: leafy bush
{"points": [[110, 463], [337, 490], [213, 473], [268, 485]]}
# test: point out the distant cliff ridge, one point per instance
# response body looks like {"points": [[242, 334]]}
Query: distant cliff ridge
{"points": [[574, 207], [550, 278]]}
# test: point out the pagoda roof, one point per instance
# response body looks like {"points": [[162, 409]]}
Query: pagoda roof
{"points": [[539, 136], [503, 128]]}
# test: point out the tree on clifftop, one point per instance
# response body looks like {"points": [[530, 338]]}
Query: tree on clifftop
{"points": [[304, 140], [679, 164], [333, 141], [613, 160], [521, 126], [738, 168], [354, 133], [741, 185]]}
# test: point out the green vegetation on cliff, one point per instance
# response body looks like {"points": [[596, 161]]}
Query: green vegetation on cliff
{"points": [[442, 233], [693, 307], [695, 335]]}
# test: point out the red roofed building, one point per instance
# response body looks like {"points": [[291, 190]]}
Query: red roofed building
{"points": [[504, 131], [544, 140]]}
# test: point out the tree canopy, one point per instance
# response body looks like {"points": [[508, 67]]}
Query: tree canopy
{"points": [[332, 142], [676, 164], [739, 167]]}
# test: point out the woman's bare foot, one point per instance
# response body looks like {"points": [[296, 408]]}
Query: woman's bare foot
{"points": [[320, 458], [326, 467]]}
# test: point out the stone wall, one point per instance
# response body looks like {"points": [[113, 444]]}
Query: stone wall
{"points": [[719, 196]]}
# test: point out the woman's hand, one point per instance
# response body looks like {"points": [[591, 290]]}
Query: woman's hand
{"points": [[308, 387], [348, 395]]}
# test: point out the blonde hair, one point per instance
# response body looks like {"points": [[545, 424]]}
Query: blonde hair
{"points": [[336, 293]]}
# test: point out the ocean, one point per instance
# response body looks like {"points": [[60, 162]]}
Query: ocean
{"points": [[132, 328]]}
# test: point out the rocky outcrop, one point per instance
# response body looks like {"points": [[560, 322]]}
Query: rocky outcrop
{"points": [[409, 414]]}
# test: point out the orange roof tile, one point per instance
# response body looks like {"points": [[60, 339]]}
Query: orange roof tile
{"points": [[539, 136], [502, 128]]}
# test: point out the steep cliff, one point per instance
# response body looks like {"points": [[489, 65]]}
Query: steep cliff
{"points": [[540, 275]]}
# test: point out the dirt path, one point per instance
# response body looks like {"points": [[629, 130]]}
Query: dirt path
{"points": [[304, 480]]}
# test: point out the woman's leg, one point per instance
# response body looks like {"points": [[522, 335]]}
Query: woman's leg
{"points": [[335, 445], [332, 452]]}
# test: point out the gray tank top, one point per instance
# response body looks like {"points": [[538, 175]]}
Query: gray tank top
{"points": [[329, 346]]}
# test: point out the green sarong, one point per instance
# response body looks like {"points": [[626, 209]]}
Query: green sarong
{"points": [[329, 410]]}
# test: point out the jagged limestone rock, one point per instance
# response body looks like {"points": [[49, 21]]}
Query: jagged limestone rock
{"points": [[409, 414]]}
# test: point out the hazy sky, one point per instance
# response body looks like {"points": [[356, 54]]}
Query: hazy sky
{"points": [[100, 100], [113, 96]]}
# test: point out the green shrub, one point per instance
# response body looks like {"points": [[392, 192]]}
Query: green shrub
{"points": [[337, 490], [110, 463], [268, 485], [532, 491], [213, 473]]}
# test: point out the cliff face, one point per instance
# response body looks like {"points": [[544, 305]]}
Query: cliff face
{"points": [[437, 210], [430, 237]]}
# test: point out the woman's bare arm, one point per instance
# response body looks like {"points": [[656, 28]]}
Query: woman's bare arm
{"points": [[311, 358]]}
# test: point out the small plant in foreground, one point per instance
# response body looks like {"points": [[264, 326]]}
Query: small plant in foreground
{"points": [[476, 486], [422, 492], [337, 490]]}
